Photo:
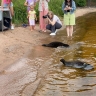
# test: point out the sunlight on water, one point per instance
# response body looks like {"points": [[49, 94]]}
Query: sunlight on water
{"points": [[64, 81]]}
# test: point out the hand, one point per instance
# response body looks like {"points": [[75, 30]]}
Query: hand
{"points": [[27, 16], [69, 8], [66, 8]]}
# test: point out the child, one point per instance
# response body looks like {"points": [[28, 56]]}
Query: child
{"points": [[32, 16]]}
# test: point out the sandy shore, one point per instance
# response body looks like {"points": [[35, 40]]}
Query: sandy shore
{"points": [[16, 43]]}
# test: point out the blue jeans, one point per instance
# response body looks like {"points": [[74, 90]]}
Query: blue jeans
{"points": [[53, 28]]}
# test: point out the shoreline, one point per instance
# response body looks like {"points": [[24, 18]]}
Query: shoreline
{"points": [[24, 64], [16, 43]]}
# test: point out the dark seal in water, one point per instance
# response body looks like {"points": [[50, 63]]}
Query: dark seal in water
{"points": [[77, 64], [55, 44]]}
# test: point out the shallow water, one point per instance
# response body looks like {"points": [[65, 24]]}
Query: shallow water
{"points": [[65, 81]]}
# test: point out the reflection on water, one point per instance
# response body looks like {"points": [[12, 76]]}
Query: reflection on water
{"points": [[64, 81]]}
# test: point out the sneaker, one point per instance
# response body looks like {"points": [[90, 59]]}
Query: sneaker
{"points": [[12, 27], [52, 34]]}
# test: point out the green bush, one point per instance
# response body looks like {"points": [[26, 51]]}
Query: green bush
{"points": [[80, 3]]}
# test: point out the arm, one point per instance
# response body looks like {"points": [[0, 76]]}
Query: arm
{"points": [[35, 17], [28, 14], [34, 4], [2, 3], [48, 0], [26, 3], [73, 8], [51, 22], [64, 7]]}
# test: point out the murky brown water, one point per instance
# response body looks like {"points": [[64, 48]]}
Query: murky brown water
{"points": [[63, 81], [42, 67]]}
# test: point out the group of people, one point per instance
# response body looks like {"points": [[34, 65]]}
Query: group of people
{"points": [[47, 19]]}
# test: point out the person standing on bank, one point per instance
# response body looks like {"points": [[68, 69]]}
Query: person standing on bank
{"points": [[43, 10], [69, 8], [9, 4], [31, 16], [53, 23]]}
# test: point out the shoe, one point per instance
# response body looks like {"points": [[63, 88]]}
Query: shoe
{"points": [[52, 34], [12, 27]]}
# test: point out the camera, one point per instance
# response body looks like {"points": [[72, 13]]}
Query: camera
{"points": [[46, 16]]}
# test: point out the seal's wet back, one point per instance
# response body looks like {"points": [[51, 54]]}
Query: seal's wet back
{"points": [[56, 44], [77, 64]]}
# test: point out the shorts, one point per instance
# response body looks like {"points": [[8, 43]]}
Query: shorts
{"points": [[69, 19], [6, 5], [32, 22]]}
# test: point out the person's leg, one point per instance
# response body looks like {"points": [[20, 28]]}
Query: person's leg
{"points": [[31, 29], [67, 22], [44, 23], [33, 24], [48, 27], [11, 9], [12, 14], [67, 29], [72, 22], [30, 23], [53, 29], [41, 20], [71, 30], [57, 25]]}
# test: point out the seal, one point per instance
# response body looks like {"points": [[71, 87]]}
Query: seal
{"points": [[77, 64], [55, 44]]}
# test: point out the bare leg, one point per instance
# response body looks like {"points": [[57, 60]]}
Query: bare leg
{"points": [[71, 30], [67, 29], [31, 28], [12, 13]]}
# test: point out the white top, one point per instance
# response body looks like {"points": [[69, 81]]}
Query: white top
{"points": [[45, 4], [55, 18]]}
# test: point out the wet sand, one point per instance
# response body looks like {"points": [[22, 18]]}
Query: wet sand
{"points": [[16, 44]]}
